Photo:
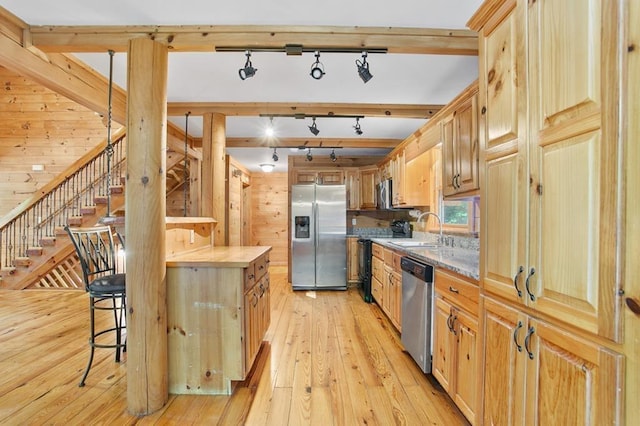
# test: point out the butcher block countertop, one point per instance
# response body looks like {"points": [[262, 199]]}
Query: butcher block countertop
{"points": [[218, 257]]}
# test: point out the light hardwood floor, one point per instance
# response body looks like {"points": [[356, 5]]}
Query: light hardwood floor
{"points": [[328, 358]]}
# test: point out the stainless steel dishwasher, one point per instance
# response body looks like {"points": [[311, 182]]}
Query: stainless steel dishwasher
{"points": [[417, 316]]}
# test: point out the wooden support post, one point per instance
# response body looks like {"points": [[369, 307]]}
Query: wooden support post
{"points": [[147, 378], [213, 173]]}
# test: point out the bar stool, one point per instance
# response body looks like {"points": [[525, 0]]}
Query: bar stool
{"points": [[106, 288]]}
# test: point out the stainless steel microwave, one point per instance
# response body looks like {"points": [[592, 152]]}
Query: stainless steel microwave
{"points": [[384, 195]]}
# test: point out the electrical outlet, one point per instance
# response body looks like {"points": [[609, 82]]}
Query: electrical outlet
{"points": [[192, 236]]}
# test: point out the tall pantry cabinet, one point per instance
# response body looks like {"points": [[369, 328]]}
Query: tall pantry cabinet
{"points": [[549, 150]]}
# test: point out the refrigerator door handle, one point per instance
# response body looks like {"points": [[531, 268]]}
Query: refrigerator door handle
{"points": [[316, 234]]}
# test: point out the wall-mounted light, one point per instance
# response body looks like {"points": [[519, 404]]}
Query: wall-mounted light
{"points": [[275, 155], [309, 156], [363, 68], [317, 69], [314, 129], [267, 167], [357, 127], [333, 155], [248, 70]]}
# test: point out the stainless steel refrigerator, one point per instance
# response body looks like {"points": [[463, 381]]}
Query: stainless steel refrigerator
{"points": [[318, 237]]}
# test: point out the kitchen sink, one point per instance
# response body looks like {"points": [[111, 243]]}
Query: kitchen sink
{"points": [[414, 244]]}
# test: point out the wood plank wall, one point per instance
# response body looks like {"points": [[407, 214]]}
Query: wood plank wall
{"points": [[269, 214], [38, 126]]}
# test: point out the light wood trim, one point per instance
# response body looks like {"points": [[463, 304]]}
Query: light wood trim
{"points": [[631, 215], [12, 26], [205, 38], [147, 383], [64, 75], [243, 109]]}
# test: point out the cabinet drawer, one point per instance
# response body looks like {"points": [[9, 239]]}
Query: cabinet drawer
{"points": [[458, 290], [376, 290], [377, 268], [377, 251], [388, 256], [250, 276], [261, 266], [395, 262]]}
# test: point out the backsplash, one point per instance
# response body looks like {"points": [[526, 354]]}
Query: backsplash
{"points": [[457, 241], [370, 232]]}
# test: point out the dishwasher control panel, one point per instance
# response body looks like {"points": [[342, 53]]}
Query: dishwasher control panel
{"points": [[420, 270]]}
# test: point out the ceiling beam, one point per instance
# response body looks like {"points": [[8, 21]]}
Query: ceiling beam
{"points": [[310, 143], [205, 38], [253, 109]]}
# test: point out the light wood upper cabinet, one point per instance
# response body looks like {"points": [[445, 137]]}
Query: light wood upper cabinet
{"points": [[321, 177], [418, 180], [460, 145], [550, 171], [398, 183], [352, 182], [368, 188]]}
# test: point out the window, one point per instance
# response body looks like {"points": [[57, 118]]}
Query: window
{"points": [[461, 216]]}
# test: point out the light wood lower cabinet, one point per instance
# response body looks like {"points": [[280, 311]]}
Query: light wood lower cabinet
{"points": [[217, 318], [353, 266], [457, 347], [539, 373], [386, 286]]}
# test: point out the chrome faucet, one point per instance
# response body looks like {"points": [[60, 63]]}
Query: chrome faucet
{"points": [[437, 217]]}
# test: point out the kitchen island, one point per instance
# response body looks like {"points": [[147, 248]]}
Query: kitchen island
{"points": [[218, 310]]}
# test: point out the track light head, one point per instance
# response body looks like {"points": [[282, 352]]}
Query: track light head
{"points": [[248, 70], [333, 155], [309, 156], [363, 68], [314, 129], [317, 69], [275, 155], [357, 127]]}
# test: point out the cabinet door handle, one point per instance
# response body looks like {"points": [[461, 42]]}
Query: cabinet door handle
{"points": [[255, 300], [453, 325], [527, 339], [458, 181], [526, 284], [515, 280], [450, 322], [515, 336], [453, 290]]}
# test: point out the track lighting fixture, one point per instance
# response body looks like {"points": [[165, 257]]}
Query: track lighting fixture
{"points": [[270, 131], [314, 129], [275, 155], [317, 69], [248, 70], [333, 155], [309, 156], [357, 127], [363, 68]]}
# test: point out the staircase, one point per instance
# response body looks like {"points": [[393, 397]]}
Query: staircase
{"points": [[35, 251], [34, 248]]}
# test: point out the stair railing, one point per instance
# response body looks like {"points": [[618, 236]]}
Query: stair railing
{"points": [[78, 187]]}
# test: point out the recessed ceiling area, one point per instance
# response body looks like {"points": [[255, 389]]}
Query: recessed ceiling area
{"points": [[207, 77]]}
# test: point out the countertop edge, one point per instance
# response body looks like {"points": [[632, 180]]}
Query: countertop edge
{"points": [[218, 257], [444, 258]]}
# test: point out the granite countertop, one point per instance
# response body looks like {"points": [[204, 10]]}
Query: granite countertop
{"points": [[464, 262]]}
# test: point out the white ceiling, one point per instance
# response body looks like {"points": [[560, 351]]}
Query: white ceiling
{"points": [[213, 77]]}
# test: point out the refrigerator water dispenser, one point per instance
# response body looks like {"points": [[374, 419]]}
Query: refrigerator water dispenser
{"points": [[302, 226]]}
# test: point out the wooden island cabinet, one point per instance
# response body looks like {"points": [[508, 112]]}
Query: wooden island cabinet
{"points": [[218, 310]]}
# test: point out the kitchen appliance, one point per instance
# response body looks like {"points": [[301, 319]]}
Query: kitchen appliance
{"points": [[318, 237], [384, 195], [364, 268], [401, 229], [417, 311]]}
